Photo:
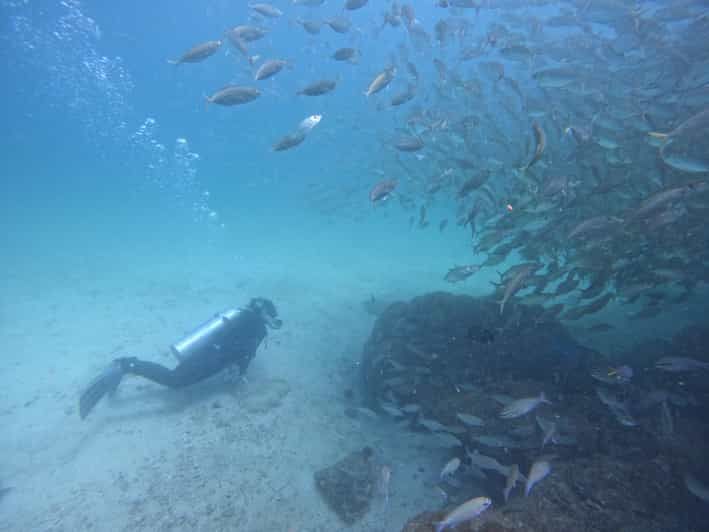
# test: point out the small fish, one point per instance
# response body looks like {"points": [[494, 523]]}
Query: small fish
{"points": [[423, 222], [392, 410], [403, 97], [450, 468], [516, 284], [554, 77], [548, 429], [511, 481], [619, 375], [678, 364], [617, 407], [539, 470], [411, 409], [309, 123], [461, 273], [318, 88], [197, 53], [289, 141], [696, 488], [408, 143], [269, 68], [469, 420], [355, 4], [432, 425], [367, 412], [266, 10], [541, 141], [446, 439], [339, 24], [384, 479], [524, 406], [382, 190], [243, 34], [465, 512], [346, 54], [234, 95], [486, 462], [311, 26], [502, 442], [380, 81]]}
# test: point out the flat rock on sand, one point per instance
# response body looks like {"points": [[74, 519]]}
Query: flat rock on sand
{"points": [[348, 485], [265, 396]]}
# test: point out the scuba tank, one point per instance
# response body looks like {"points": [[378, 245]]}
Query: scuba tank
{"points": [[209, 333]]}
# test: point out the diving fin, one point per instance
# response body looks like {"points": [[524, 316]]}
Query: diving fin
{"points": [[106, 382]]}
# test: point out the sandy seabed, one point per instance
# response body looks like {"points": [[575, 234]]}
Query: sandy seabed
{"points": [[229, 453]]}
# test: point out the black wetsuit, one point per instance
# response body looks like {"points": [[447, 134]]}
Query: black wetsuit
{"points": [[236, 344]]}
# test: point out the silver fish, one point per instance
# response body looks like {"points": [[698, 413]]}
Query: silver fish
{"points": [[513, 477], [516, 284], [411, 408], [266, 10], [234, 95], [469, 420], [497, 441], [446, 439], [618, 408], [461, 273], [539, 470], [540, 139], [696, 488], [554, 77], [487, 462], [197, 53], [520, 407], [339, 24], [392, 410], [549, 430], [380, 81], [450, 468], [318, 88], [355, 4], [677, 364], [465, 512], [432, 425], [269, 68]]}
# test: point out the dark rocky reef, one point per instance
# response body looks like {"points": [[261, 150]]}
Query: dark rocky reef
{"points": [[439, 355]]}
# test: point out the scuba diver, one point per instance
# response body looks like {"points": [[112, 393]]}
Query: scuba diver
{"points": [[231, 337]]}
